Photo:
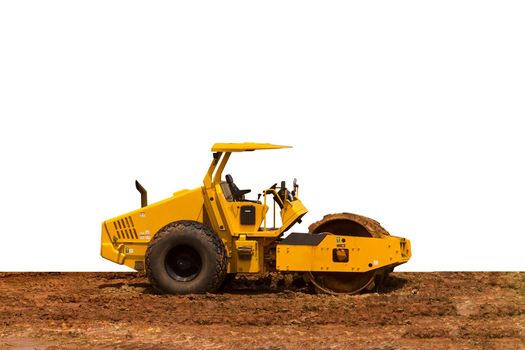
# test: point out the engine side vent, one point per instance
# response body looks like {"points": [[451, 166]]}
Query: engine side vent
{"points": [[125, 228]]}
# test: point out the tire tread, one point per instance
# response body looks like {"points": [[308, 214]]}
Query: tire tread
{"points": [[215, 281]]}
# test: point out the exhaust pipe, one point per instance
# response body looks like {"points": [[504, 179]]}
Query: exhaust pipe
{"points": [[143, 194]]}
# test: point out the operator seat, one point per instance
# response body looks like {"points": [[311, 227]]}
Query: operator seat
{"points": [[237, 195]]}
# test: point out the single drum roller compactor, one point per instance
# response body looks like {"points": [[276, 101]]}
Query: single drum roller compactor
{"points": [[197, 239]]}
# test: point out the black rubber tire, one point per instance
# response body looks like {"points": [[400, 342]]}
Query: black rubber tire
{"points": [[209, 254]]}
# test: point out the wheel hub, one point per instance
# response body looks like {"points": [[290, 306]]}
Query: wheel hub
{"points": [[183, 263]]}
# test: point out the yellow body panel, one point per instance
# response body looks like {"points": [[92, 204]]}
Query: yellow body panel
{"points": [[291, 213], [233, 213], [248, 262], [363, 254], [125, 238]]}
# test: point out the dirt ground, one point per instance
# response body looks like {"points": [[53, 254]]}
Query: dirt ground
{"points": [[120, 311]]}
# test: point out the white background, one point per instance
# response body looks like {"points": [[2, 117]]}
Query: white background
{"points": [[409, 112]]}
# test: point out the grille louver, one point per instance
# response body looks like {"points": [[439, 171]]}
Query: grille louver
{"points": [[125, 228]]}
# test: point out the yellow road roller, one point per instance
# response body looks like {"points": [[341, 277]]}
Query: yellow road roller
{"points": [[195, 240]]}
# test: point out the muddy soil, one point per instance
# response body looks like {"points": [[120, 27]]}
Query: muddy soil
{"points": [[120, 311]]}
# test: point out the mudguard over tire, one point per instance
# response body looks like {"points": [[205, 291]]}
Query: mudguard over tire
{"points": [[186, 257]]}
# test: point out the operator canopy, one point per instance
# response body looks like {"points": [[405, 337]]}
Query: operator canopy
{"points": [[244, 146], [230, 189]]}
